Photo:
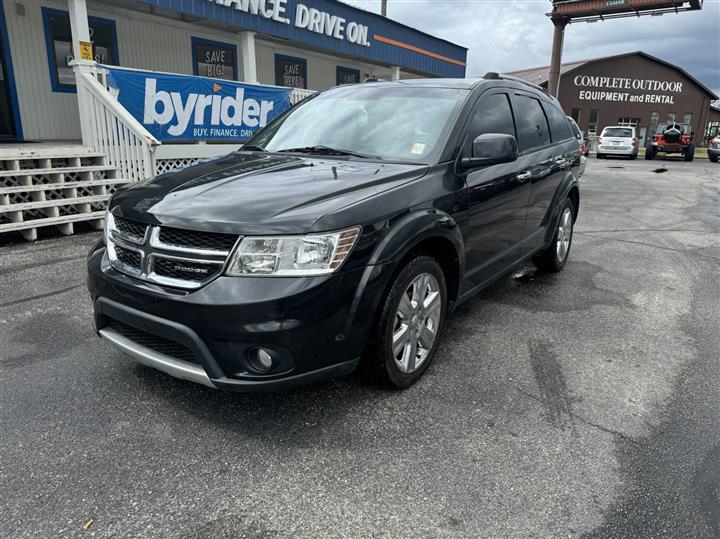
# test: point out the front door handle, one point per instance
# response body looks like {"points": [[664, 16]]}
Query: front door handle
{"points": [[524, 176]]}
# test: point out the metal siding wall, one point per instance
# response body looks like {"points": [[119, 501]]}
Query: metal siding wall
{"points": [[46, 115], [160, 45], [321, 67], [377, 52]]}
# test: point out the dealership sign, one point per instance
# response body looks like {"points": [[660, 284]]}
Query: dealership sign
{"points": [[186, 108], [610, 89], [328, 26], [307, 18]]}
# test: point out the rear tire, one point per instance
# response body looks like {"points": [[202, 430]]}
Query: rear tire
{"points": [[410, 323], [650, 153], [554, 257], [690, 153]]}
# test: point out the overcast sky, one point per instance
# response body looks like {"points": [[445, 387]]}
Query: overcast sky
{"points": [[506, 35]]}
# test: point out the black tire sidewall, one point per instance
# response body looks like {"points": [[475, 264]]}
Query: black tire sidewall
{"points": [[388, 369]]}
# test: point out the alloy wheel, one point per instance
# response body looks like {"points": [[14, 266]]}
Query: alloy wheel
{"points": [[564, 235], [416, 322]]}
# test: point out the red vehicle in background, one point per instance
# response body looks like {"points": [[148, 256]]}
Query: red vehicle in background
{"points": [[672, 138]]}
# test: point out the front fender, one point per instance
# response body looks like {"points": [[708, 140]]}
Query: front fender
{"points": [[404, 233]]}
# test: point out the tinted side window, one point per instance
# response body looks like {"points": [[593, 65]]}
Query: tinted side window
{"points": [[532, 126], [559, 125], [493, 115]]}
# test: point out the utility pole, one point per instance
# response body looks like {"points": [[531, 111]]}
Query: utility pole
{"points": [[558, 38], [383, 8]]}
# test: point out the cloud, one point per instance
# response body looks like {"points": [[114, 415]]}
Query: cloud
{"points": [[506, 35]]}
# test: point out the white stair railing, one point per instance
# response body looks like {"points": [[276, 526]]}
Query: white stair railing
{"points": [[113, 131], [110, 129]]}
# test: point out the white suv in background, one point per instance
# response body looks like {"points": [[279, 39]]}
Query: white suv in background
{"points": [[617, 140]]}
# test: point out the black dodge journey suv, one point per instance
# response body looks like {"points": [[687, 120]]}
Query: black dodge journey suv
{"points": [[346, 229]]}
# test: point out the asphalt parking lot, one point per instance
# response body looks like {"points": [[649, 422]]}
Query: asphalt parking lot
{"points": [[583, 404]]}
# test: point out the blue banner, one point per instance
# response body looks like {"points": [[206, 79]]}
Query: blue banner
{"points": [[187, 108]]}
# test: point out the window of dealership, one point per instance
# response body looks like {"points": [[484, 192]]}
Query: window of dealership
{"points": [[634, 89]]}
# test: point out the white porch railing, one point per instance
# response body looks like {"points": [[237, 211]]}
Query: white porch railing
{"points": [[110, 129]]}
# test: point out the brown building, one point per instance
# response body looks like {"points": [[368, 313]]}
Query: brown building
{"points": [[632, 89]]}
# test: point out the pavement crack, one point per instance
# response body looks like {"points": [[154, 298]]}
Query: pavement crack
{"points": [[580, 418], [41, 296], [656, 246]]}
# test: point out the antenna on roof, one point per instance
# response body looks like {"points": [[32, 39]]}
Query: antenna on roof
{"points": [[491, 75]]}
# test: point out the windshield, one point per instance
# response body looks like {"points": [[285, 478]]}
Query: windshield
{"points": [[617, 132], [397, 122]]}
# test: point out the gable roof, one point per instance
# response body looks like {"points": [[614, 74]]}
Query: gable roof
{"points": [[540, 75]]}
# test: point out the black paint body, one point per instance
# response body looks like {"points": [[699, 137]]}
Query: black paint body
{"points": [[479, 223]]}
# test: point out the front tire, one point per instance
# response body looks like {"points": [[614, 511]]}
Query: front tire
{"points": [[599, 155], [411, 319], [554, 257], [714, 158]]}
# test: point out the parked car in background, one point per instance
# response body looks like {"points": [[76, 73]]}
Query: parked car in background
{"points": [[583, 152], [617, 140], [581, 136], [346, 228], [672, 138], [714, 150]]}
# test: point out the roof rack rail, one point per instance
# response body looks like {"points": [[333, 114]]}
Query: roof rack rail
{"points": [[492, 75]]}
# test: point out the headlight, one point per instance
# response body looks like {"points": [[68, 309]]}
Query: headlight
{"points": [[108, 226], [316, 254]]}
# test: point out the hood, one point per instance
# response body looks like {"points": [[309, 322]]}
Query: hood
{"points": [[257, 193]]}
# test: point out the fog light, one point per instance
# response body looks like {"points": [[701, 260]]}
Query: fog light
{"points": [[260, 359]]}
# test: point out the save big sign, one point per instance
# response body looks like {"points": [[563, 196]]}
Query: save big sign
{"points": [[187, 108]]}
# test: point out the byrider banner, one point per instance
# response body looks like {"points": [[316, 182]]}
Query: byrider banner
{"points": [[183, 107]]}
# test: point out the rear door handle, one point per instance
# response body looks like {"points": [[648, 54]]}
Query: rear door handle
{"points": [[524, 176]]}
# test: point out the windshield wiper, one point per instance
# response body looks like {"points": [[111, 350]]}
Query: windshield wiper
{"points": [[252, 148], [327, 150]]}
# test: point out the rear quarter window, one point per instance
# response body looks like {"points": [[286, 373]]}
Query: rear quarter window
{"points": [[559, 124], [532, 126]]}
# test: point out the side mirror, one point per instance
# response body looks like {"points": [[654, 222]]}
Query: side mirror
{"points": [[491, 149]]}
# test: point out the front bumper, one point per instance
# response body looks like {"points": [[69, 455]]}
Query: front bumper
{"points": [[314, 327], [670, 149]]}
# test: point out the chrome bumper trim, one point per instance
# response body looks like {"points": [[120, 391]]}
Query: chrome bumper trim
{"points": [[151, 358]]}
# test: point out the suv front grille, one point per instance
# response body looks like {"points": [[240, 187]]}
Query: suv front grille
{"points": [[154, 342], [197, 240], [133, 230], [128, 256], [185, 270], [167, 256]]}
